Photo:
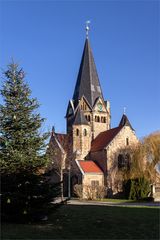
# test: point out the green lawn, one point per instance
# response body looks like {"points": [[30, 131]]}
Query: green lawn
{"points": [[90, 222]]}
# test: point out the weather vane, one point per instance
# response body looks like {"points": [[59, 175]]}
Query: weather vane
{"points": [[87, 27], [124, 110]]}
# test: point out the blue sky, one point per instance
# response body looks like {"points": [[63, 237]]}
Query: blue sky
{"points": [[47, 38]]}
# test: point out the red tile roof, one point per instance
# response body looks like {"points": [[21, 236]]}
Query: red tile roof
{"points": [[104, 138], [89, 167]]}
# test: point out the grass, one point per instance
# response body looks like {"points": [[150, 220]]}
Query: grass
{"points": [[90, 222]]}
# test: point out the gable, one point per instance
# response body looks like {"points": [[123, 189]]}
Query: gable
{"points": [[99, 105], [125, 138], [84, 105]]}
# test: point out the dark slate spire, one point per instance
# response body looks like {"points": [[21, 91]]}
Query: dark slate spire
{"points": [[125, 122], [87, 81], [80, 118]]}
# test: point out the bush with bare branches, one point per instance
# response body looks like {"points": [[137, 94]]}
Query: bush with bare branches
{"points": [[78, 190]]}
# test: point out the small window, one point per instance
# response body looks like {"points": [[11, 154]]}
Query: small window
{"points": [[104, 119], [85, 132], [97, 119], [94, 184], [127, 141], [77, 132], [89, 118]]}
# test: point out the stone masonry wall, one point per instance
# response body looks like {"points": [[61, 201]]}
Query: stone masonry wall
{"points": [[115, 148], [87, 178]]}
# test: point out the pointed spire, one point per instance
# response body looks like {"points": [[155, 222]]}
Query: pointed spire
{"points": [[125, 122], [87, 81], [80, 118]]}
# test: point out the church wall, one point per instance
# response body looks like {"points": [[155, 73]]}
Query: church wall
{"points": [[87, 182], [87, 178], [116, 147]]}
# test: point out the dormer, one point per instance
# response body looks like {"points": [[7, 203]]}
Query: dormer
{"points": [[70, 109]]}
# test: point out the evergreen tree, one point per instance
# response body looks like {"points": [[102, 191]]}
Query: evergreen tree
{"points": [[26, 193], [21, 143]]}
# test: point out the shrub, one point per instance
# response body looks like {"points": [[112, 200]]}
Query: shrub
{"points": [[137, 189], [100, 192], [78, 190], [88, 192]]}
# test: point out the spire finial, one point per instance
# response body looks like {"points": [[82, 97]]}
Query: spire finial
{"points": [[53, 129], [87, 27], [124, 110]]}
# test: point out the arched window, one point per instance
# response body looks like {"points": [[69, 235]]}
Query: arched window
{"points": [[85, 132], [121, 161], [124, 161], [102, 119], [97, 119], [77, 132], [89, 118]]}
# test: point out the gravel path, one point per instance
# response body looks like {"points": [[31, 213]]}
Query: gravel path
{"points": [[127, 204]]}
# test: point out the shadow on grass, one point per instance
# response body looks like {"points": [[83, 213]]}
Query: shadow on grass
{"points": [[90, 222]]}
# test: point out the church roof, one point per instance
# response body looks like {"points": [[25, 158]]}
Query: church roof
{"points": [[87, 81], [64, 140], [125, 122], [89, 166], [80, 118], [104, 138]]}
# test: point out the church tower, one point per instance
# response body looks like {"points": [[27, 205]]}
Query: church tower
{"points": [[81, 135], [87, 98]]}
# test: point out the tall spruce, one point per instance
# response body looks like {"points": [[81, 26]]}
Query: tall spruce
{"points": [[22, 144]]}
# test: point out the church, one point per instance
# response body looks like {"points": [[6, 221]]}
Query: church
{"points": [[91, 152]]}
